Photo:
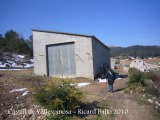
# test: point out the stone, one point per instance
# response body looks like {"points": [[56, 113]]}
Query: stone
{"points": [[154, 98], [157, 103], [144, 95], [150, 101]]}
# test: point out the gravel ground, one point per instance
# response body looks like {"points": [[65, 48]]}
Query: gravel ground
{"points": [[14, 106], [123, 105]]}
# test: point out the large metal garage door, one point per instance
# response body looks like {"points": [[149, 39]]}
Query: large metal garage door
{"points": [[61, 60]]}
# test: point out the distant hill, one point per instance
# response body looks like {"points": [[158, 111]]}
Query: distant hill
{"points": [[137, 50]]}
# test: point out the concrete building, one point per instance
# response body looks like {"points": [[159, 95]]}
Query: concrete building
{"points": [[139, 64], [113, 63], [59, 54]]}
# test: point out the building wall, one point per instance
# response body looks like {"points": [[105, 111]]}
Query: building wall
{"points": [[83, 47], [101, 56], [139, 64], [113, 63]]}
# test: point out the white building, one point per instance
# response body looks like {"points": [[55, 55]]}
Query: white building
{"points": [[139, 64], [59, 54]]}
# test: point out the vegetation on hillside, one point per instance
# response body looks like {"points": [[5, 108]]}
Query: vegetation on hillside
{"points": [[13, 42], [140, 51], [138, 78], [63, 98], [145, 87]]}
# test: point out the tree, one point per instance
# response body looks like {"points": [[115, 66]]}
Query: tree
{"points": [[1, 45], [13, 42], [1, 41], [29, 43]]}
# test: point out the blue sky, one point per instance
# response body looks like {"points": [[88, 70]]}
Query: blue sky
{"points": [[115, 22]]}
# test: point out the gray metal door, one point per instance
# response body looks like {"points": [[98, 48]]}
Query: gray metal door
{"points": [[61, 60]]}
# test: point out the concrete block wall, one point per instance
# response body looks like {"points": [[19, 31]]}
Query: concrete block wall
{"points": [[101, 56], [90, 53], [83, 46]]}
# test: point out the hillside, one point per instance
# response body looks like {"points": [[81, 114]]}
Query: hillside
{"points": [[141, 51], [18, 103]]}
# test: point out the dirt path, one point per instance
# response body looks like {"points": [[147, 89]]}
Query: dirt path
{"points": [[95, 93], [118, 101]]}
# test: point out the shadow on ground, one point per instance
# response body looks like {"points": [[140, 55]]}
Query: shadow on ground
{"points": [[1, 75], [118, 90]]}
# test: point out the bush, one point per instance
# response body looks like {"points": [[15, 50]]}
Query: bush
{"points": [[59, 96], [132, 71], [152, 91], [136, 78], [150, 75]]}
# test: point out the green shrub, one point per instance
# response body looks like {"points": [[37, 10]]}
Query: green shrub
{"points": [[136, 78], [103, 104], [59, 96], [132, 71], [150, 75], [152, 91]]}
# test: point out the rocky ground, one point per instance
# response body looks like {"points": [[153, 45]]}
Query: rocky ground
{"points": [[119, 101], [19, 106], [14, 106]]}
